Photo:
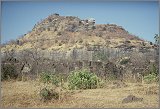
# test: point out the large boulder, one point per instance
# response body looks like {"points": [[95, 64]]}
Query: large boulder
{"points": [[131, 98]]}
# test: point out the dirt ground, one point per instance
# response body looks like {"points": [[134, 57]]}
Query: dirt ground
{"points": [[25, 94]]}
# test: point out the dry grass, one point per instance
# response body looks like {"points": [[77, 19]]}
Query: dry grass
{"points": [[51, 36], [25, 94]]}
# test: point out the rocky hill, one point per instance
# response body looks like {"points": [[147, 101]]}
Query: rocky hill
{"points": [[62, 44], [64, 33]]}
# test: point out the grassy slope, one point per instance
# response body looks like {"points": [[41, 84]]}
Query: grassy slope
{"points": [[24, 94]]}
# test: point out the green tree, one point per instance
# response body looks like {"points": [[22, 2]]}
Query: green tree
{"points": [[156, 37]]}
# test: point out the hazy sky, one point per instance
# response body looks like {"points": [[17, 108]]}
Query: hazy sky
{"points": [[139, 18]]}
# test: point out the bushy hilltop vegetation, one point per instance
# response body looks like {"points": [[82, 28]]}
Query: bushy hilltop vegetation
{"points": [[65, 33]]}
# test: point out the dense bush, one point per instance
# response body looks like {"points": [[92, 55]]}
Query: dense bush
{"points": [[154, 70], [8, 71], [47, 94], [47, 77], [153, 76], [83, 79], [150, 78]]}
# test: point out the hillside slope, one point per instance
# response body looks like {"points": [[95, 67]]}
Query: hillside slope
{"points": [[64, 33]]}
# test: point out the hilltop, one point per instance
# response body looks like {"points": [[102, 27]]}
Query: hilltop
{"points": [[64, 33]]}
